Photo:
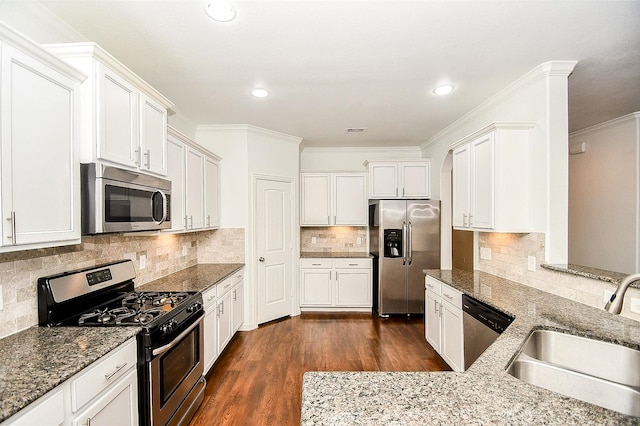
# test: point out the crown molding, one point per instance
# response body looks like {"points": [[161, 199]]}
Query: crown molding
{"points": [[248, 128], [609, 123]]}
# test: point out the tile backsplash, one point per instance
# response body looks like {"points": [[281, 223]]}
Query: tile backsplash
{"points": [[165, 254], [334, 239], [509, 259]]}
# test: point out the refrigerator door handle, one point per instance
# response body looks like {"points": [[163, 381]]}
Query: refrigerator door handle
{"points": [[404, 243], [410, 244]]}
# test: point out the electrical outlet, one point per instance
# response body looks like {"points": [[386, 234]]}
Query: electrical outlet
{"points": [[143, 261], [359, 241], [313, 240], [185, 251], [531, 263], [634, 305], [485, 253], [606, 295]]}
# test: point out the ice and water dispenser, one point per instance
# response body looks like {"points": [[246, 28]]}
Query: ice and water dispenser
{"points": [[393, 243]]}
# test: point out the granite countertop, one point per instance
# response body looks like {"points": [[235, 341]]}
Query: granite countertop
{"points": [[589, 272], [484, 394], [199, 277], [36, 360], [334, 255]]}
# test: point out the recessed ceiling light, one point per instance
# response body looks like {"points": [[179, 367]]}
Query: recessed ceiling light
{"points": [[445, 89], [221, 11], [260, 93]]}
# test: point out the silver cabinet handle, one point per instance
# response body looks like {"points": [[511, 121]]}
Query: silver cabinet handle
{"points": [[435, 305], [147, 159], [186, 220], [261, 259], [12, 219], [222, 308], [235, 296], [470, 219], [464, 219], [136, 153], [447, 296], [208, 220], [191, 221], [118, 368]]}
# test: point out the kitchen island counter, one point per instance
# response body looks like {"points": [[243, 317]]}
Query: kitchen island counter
{"points": [[484, 394]]}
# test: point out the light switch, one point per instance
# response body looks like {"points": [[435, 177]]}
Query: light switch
{"points": [[143, 261], [531, 263], [485, 253], [313, 240]]}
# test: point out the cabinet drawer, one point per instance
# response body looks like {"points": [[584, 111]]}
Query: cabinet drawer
{"points": [[95, 378], [352, 263], [223, 287], [209, 296], [452, 296], [315, 263], [433, 285]]}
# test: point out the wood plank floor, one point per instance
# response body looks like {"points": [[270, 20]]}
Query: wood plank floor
{"points": [[258, 378]]}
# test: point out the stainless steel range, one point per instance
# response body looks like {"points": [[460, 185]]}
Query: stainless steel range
{"points": [[170, 350]]}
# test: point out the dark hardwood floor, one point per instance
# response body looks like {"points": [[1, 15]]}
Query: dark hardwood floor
{"points": [[258, 378]]}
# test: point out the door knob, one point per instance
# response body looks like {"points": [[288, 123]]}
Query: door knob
{"points": [[261, 259]]}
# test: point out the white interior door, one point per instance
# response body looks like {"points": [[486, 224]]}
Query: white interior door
{"points": [[274, 249]]}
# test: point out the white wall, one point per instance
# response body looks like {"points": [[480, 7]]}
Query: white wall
{"points": [[351, 159], [540, 96], [604, 193]]}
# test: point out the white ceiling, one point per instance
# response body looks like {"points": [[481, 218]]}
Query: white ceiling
{"points": [[330, 65]]}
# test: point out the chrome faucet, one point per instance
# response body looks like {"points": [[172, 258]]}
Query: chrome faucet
{"points": [[614, 305]]}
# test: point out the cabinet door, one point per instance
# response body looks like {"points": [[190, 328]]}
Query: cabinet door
{"points": [[353, 288], [315, 199], [153, 136], [195, 189], [117, 406], [211, 192], [315, 287], [237, 296], [225, 319], [350, 199], [461, 188], [482, 181], [40, 172], [210, 341], [45, 411], [415, 180], [176, 173], [383, 180], [118, 118], [452, 349], [433, 326]]}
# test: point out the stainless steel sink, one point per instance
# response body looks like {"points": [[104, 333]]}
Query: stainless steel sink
{"points": [[601, 373]]}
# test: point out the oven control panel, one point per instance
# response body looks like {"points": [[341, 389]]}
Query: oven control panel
{"points": [[98, 277]]}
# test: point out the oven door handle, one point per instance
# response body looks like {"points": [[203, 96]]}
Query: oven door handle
{"points": [[174, 342]]}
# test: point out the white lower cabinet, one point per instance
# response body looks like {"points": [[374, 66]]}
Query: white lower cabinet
{"points": [[336, 284], [224, 314], [104, 393], [443, 322]]}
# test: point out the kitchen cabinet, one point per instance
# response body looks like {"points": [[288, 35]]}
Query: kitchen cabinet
{"points": [[336, 284], [39, 135], [333, 199], [225, 308], [491, 179], [210, 345], [399, 179], [237, 297], [195, 184], [104, 393], [124, 119], [443, 322]]}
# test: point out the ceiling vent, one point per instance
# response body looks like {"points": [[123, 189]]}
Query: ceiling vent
{"points": [[355, 130]]}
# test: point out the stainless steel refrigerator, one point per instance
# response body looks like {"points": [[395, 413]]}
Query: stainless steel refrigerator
{"points": [[404, 239]]}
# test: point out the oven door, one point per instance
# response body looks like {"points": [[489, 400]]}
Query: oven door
{"points": [[176, 385]]}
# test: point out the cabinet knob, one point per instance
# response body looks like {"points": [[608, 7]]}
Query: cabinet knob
{"points": [[261, 259]]}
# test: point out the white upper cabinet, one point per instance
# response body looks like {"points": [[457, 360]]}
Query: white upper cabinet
{"points": [[399, 179], [491, 179], [124, 119], [338, 199], [195, 184], [39, 179]]}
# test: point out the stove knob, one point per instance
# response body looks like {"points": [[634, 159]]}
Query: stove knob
{"points": [[194, 308], [168, 327]]}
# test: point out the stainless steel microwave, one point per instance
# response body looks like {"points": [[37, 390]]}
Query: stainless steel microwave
{"points": [[117, 200]]}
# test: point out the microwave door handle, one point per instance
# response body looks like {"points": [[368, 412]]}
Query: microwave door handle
{"points": [[165, 210]]}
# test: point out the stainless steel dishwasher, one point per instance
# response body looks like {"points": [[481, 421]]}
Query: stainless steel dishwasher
{"points": [[482, 326]]}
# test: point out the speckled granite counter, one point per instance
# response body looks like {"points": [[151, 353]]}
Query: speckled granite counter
{"points": [[589, 272], [484, 394], [196, 278], [36, 360], [334, 255]]}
